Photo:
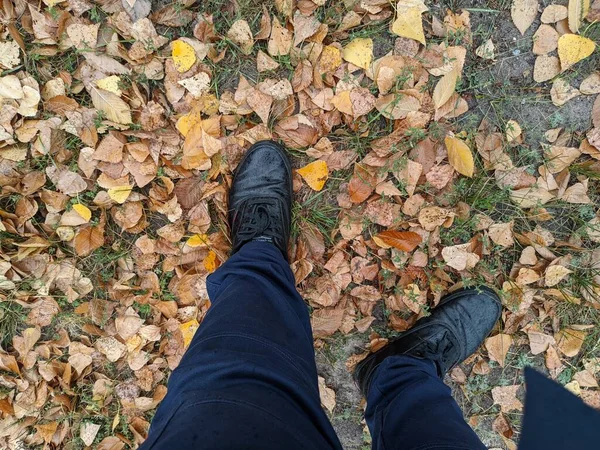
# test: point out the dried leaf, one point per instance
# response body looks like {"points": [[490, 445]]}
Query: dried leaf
{"points": [[359, 52], [497, 347], [460, 156], [506, 397], [406, 241], [573, 48], [88, 432], [280, 42], [409, 24], [523, 13], [445, 88], [569, 341], [315, 174], [577, 11], [555, 274], [88, 239], [241, 34], [111, 105], [183, 54]]}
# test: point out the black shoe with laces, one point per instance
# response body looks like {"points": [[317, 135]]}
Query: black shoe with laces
{"points": [[453, 331], [260, 199]]}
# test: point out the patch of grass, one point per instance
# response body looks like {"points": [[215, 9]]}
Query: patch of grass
{"points": [[318, 210], [12, 319]]}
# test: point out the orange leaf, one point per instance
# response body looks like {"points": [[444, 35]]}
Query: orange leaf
{"points": [[88, 239], [406, 241]]}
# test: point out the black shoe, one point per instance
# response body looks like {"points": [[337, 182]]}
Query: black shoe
{"points": [[453, 331], [260, 200]]}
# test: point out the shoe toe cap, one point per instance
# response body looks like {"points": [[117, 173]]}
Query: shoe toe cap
{"points": [[479, 309]]}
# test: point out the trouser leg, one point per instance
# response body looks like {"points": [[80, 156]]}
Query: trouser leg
{"points": [[410, 408], [248, 379]]}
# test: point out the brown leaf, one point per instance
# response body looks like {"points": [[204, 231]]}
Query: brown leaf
{"points": [[569, 341], [326, 321], [280, 42], [88, 239], [406, 241], [506, 397]]}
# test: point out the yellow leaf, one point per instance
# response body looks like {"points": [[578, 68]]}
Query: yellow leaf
{"points": [[119, 193], [578, 9], [331, 59], [573, 48], [342, 102], [359, 52], [115, 421], [188, 329], [197, 240], [315, 174], [445, 88], [409, 24], [83, 211], [183, 55], [460, 156], [110, 84], [186, 122], [210, 262]]}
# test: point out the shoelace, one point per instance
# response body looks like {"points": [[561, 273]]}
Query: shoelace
{"points": [[256, 220]]}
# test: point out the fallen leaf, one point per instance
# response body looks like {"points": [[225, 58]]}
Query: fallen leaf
{"points": [[555, 274], [397, 106], [591, 84], [88, 239], [314, 174], [573, 48], [545, 40], [359, 52], [554, 13], [487, 50], [408, 23], [88, 432], [506, 397], [406, 241], [502, 234], [523, 13], [183, 54], [111, 83], [562, 92], [264, 62], [445, 88], [83, 211], [460, 156], [119, 193], [240, 33], [112, 105], [569, 341], [577, 10], [280, 42], [327, 396], [188, 330], [497, 347], [460, 257], [545, 68]]}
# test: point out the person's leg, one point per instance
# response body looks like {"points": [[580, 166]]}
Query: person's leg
{"points": [[249, 378], [408, 404]]}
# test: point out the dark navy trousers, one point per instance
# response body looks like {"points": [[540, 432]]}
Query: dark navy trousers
{"points": [[249, 379]]}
